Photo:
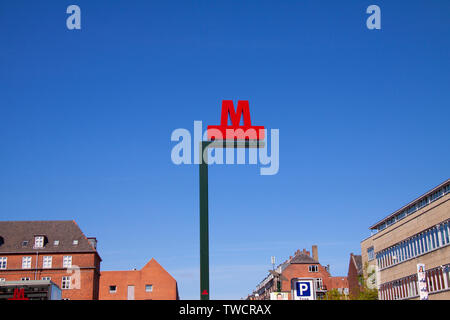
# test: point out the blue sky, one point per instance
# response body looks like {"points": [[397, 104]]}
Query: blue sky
{"points": [[86, 118]]}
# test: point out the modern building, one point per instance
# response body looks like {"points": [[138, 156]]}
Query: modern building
{"points": [[301, 266], [152, 282], [355, 275], [417, 233], [50, 250]]}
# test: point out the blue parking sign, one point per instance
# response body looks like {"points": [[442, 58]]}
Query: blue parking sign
{"points": [[303, 289]]}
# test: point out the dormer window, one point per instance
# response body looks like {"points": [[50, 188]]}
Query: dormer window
{"points": [[75, 242], [24, 243], [56, 243], [1, 241], [39, 241]]}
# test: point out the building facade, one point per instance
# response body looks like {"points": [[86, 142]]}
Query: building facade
{"points": [[301, 266], [152, 282], [50, 250], [355, 275], [417, 233]]}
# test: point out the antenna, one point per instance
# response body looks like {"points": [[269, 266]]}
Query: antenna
{"points": [[272, 260]]}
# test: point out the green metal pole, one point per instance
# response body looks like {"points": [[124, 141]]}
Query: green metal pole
{"points": [[204, 233]]}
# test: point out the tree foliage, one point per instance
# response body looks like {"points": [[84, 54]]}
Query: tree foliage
{"points": [[365, 291]]}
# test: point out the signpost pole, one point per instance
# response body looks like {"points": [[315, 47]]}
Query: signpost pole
{"points": [[215, 142], [204, 233]]}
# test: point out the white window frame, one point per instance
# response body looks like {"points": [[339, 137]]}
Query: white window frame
{"points": [[47, 262], [2, 279], [313, 268], [25, 279], [26, 262], [46, 278], [3, 263], [113, 291], [39, 241], [65, 283], [67, 261], [151, 287]]}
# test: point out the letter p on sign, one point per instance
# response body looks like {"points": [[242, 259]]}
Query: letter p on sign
{"points": [[303, 289]]}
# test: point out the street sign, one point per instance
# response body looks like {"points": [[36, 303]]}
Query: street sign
{"points": [[247, 131], [304, 290], [222, 136]]}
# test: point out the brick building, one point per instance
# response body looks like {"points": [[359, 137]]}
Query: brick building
{"points": [[152, 282], [301, 265], [50, 250], [355, 275], [417, 233]]}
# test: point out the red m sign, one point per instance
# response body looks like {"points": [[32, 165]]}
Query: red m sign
{"points": [[235, 130], [19, 294]]}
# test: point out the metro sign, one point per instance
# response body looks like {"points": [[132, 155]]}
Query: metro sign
{"points": [[19, 294], [235, 131]]}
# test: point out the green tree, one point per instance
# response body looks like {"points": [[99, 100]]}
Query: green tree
{"points": [[334, 294], [365, 292]]}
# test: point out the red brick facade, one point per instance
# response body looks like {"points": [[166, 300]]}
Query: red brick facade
{"points": [[83, 286], [302, 271], [302, 265], [354, 275], [163, 285], [23, 255]]}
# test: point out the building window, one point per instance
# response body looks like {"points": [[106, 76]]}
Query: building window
{"points": [[56, 243], [313, 269], [46, 278], [65, 283], [418, 244], [3, 262], [47, 262], [67, 261], [24, 243], [2, 279], [75, 242], [26, 262], [39, 242], [112, 289], [370, 253], [25, 279], [148, 288], [319, 284]]}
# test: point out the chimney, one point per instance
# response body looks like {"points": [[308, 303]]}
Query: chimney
{"points": [[315, 253], [93, 242]]}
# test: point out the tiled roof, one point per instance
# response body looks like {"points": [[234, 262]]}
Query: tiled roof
{"points": [[357, 260], [15, 234], [302, 258]]}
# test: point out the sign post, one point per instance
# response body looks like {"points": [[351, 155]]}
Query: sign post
{"points": [[204, 229], [223, 136]]}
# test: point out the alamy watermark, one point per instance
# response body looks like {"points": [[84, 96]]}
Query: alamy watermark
{"points": [[187, 150]]}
